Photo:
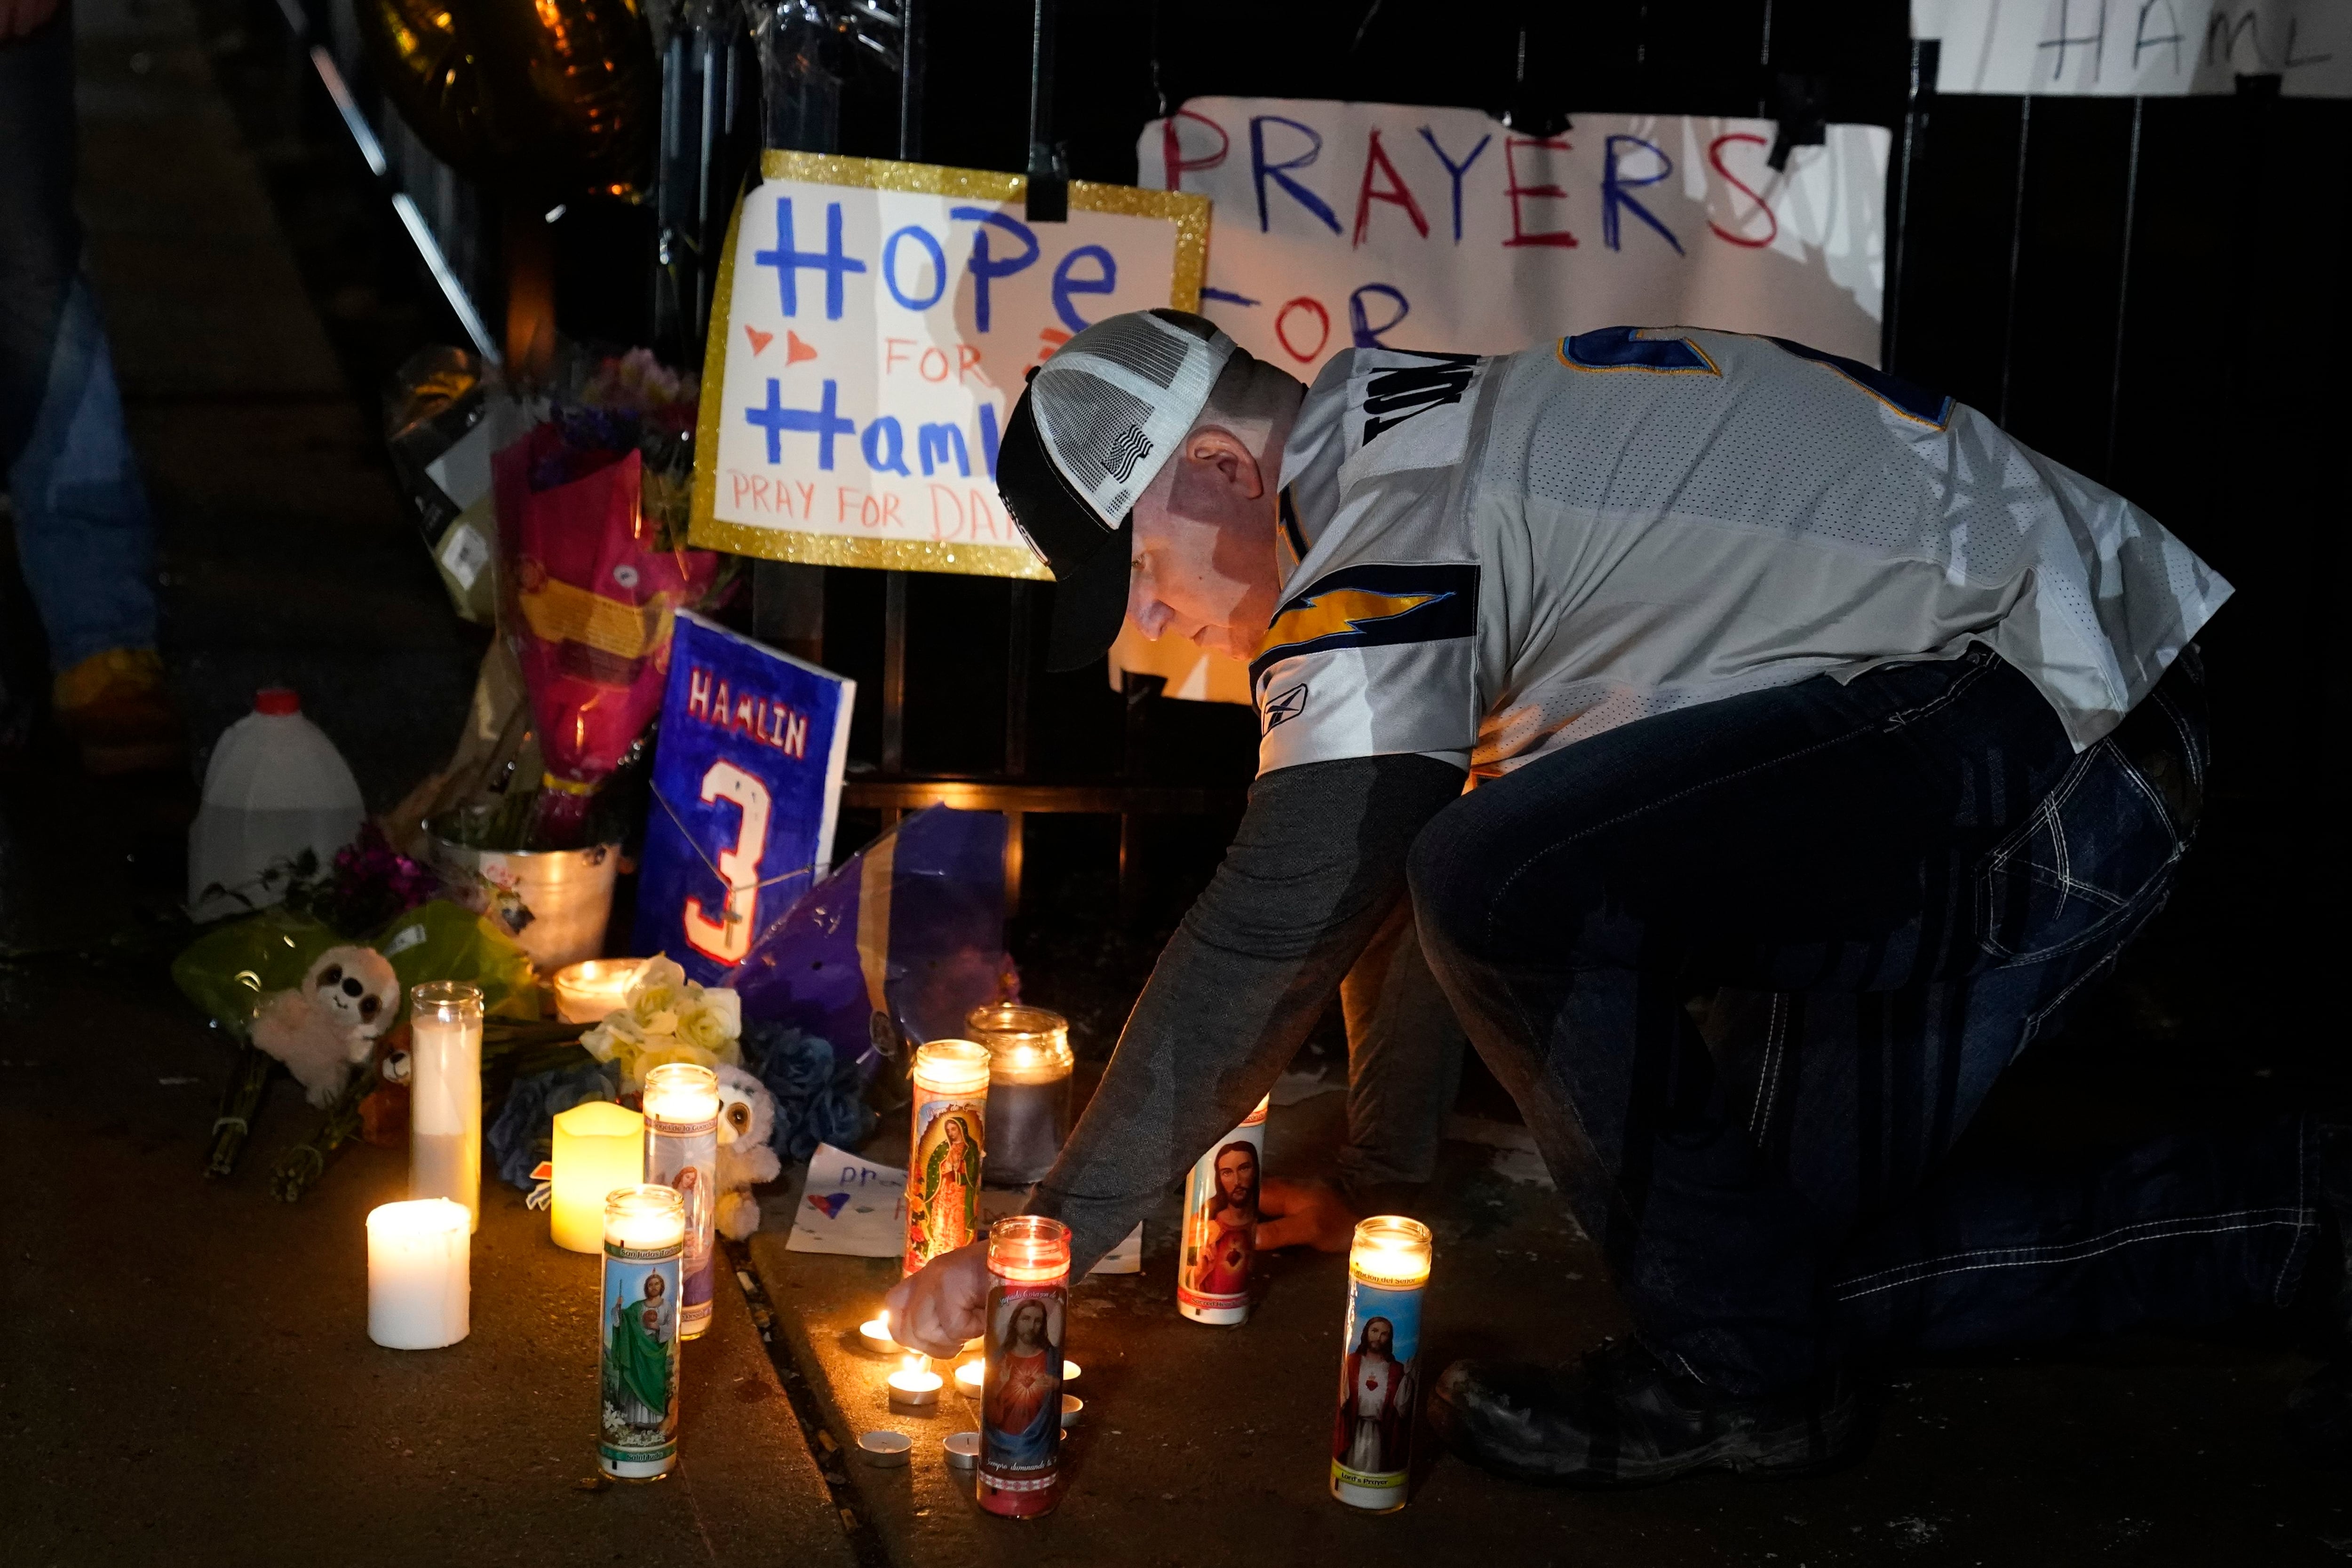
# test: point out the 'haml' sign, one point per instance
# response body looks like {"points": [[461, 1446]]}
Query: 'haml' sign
{"points": [[873, 324]]}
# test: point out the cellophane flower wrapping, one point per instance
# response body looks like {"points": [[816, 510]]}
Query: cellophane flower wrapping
{"points": [[594, 570]]}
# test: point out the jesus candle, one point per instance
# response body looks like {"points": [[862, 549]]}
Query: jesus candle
{"points": [[1028, 1089], [418, 1288], [1371, 1444], [943, 1167], [445, 1089], [1213, 1271], [644, 1238], [1021, 1380], [682, 1152]]}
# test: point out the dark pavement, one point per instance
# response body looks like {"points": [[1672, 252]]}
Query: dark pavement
{"points": [[187, 1378]]}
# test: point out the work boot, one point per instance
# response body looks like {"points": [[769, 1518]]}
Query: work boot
{"points": [[1622, 1419], [113, 705], [2319, 1413]]}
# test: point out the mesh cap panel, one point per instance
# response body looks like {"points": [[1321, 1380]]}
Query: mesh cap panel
{"points": [[1116, 399]]}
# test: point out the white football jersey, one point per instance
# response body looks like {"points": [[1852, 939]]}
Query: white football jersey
{"points": [[1501, 556]]}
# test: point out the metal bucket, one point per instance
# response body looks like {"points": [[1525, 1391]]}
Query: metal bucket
{"points": [[554, 902]]}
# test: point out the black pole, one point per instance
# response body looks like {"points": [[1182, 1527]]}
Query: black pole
{"points": [[893, 583], [2016, 255], [1049, 184], [2123, 292], [1924, 60]]}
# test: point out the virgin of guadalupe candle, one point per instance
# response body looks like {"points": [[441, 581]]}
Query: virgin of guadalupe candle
{"points": [[445, 1088], [1212, 1268], [682, 1152], [645, 1239], [943, 1162], [1371, 1437], [1021, 1385], [1028, 1089]]}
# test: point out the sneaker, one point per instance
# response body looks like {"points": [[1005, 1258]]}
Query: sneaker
{"points": [[113, 705], [1622, 1419]]}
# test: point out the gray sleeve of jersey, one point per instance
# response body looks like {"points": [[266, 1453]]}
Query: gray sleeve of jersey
{"points": [[1318, 862]]}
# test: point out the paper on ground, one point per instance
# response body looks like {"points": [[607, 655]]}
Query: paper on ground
{"points": [[852, 1207]]}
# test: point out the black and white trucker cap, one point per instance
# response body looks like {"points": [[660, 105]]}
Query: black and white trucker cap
{"points": [[1094, 428]]}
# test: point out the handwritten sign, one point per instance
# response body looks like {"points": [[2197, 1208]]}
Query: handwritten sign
{"points": [[875, 323], [1341, 223], [2146, 49], [1442, 228]]}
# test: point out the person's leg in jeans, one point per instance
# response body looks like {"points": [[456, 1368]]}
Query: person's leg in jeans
{"points": [[1863, 860], [84, 535], [1405, 1065]]}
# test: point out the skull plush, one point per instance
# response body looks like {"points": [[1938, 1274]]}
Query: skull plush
{"points": [[747, 1119], [323, 1027]]}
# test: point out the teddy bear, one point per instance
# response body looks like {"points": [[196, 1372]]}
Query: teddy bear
{"points": [[328, 1024], [747, 1120]]}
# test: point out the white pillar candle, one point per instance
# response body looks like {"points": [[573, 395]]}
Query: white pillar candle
{"points": [[445, 1086], [419, 1286], [586, 992], [598, 1146]]}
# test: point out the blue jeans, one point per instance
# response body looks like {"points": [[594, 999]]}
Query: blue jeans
{"points": [[85, 539], [1751, 968]]}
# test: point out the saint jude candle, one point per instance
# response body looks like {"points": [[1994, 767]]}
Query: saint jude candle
{"points": [[1212, 1266], [943, 1169], [1020, 1381], [1371, 1443], [644, 1240], [682, 1152]]}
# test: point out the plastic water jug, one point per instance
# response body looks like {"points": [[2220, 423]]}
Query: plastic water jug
{"points": [[276, 785]]}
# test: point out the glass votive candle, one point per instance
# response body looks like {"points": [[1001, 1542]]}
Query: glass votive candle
{"points": [[682, 1152], [1371, 1446], [444, 1094], [944, 1164], [586, 992], [645, 1243], [1028, 1089], [1021, 1387]]}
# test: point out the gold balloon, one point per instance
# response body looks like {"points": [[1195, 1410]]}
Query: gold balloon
{"points": [[430, 76], [574, 89]]}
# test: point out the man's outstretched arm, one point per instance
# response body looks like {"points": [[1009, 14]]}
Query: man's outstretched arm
{"points": [[1319, 860]]}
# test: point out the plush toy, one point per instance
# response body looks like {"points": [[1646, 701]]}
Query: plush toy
{"points": [[328, 1023], [747, 1120]]}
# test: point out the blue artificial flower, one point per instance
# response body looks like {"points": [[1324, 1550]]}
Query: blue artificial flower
{"points": [[819, 1098], [524, 1133]]}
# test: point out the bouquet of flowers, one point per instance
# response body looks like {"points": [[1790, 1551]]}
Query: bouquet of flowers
{"points": [[592, 513], [668, 1017]]}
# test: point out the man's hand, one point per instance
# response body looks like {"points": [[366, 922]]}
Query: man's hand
{"points": [[18, 18], [1303, 1214], [943, 1305]]}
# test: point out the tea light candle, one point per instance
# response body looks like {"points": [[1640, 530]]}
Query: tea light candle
{"points": [[1371, 1450], [1072, 1408], [586, 992], [962, 1448], [419, 1286], [682, 1152], [599, 1146], [916, 1385], [943, 1173], [1028, 1089], [884, 1450], [645, 1243], [444, 1094], [873, 1334]]}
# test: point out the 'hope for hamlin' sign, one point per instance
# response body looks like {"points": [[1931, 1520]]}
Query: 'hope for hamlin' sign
{"points": [[874, 325]]}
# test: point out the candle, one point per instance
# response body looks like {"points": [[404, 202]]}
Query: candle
{"points": [[873, 1333], [915, 1386], [943, 1173], [1028, 1089], [418, 1288], [598, 1146], [445, 1089], [1371, 1449], [645, 1242], [586, 992], [1213, 1271], [682, 1152], [962, 1448], [1073, 1407], [968, 1377], [1021, 1390], [884, 1450]]}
